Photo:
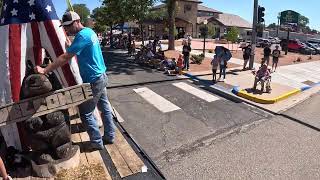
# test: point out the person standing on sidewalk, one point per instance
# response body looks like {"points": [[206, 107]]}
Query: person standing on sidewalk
{"points": [[275, 54], [246, 56], [92, 70], [214, 64], [266, 55], [186, 49]]}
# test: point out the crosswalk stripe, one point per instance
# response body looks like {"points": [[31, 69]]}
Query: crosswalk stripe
{"points": [[158, 101], [196, 92]]}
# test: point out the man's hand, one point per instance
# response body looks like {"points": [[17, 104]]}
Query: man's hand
{"points": [[67, 44], [40, 70]]}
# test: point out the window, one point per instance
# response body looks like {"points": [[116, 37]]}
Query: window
{"points": [[187, 7]]}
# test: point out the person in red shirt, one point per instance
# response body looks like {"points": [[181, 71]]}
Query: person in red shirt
{"points": [[180, 64]]}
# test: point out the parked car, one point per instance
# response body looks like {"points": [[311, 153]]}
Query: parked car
{"points": [[307, 50], [274, 40], [314, 46], [263, 42], [293, 45]]}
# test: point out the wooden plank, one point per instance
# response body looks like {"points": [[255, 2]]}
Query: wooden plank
{"points": [[4, 114], [27, 108], [15, 119], [76, 138], [77, 94], [64, 98], [87, 92], [47, 103], [95, 156], [128, 154], [40, 104], [14, 112], [52, 101], [118, 161]]}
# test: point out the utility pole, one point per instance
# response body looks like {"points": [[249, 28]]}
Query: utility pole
{"points": [[254, 33]]}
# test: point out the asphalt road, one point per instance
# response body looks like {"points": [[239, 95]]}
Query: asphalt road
{"points": [[170, 137]]}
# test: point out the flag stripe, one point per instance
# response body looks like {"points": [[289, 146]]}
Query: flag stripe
{"points": [[37, 47], [45, 41], [15, 60], [23, 52], [58, 51], [5, 87]]}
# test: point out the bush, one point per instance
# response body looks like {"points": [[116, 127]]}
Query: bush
{"points": [[197, 59]]}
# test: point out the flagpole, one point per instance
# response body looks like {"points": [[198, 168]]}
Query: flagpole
{"points": [[69, 5]]}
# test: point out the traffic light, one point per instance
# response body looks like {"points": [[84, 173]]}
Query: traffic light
{"points": [[261, 14]]}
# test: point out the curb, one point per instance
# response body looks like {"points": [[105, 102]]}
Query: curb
{"points": [[242, 93]]}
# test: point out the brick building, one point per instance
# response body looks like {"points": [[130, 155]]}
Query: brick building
{"points": [[190, 16]]}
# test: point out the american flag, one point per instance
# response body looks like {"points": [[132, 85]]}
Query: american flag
{"points": [[27, 26]]}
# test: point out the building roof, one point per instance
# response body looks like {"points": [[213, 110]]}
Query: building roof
{"points": [[160, 6], [202, 18], [197, 1], [230, 20], [207, 9]]}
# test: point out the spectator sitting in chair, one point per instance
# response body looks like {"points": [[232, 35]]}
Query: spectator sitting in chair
{"points": [[171, 67], [261, 76]]}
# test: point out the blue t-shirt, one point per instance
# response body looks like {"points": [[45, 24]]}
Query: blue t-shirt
{"points": [[90, 60]]}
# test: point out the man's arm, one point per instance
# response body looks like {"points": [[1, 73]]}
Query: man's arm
{"points": [[61, 60]]}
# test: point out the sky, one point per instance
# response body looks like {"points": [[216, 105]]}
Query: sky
{"points": [[243, 8]]}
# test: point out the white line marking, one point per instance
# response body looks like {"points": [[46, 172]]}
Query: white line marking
{"points": [[153, 98], [120, 119], [196, 92]]}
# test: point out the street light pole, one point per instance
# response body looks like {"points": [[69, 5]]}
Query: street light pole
{"points": [[254, 33], [205, 22]]}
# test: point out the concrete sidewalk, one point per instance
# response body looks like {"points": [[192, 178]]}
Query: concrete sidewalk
{"points": [[289, 80]]}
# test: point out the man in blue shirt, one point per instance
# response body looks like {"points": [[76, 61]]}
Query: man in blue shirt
{"points": [[92, 70]]}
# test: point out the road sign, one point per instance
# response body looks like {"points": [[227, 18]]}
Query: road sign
{"points": [[289, 17]]}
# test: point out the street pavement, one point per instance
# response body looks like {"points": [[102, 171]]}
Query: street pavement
{"points": [[192, 133]]}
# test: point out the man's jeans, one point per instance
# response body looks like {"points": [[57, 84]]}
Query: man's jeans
{"points": [[186, 62], [86, 109]]}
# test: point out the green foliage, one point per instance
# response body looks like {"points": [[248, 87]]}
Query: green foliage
{"points": [[303, 21], [83, 12], [233, 34], [272, 26], [197, 59], [211, 31]]}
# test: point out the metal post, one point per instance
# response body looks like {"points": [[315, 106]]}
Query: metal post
{"points": [[288, 37], [278, 27], [204, 44], [254, 33]]}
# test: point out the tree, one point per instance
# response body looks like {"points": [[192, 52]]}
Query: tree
{"points": [[303, 21], [272, 26], [211, 31], [121, 11], [99, 16], [233, 35], [83, 12], [171, 7]]}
